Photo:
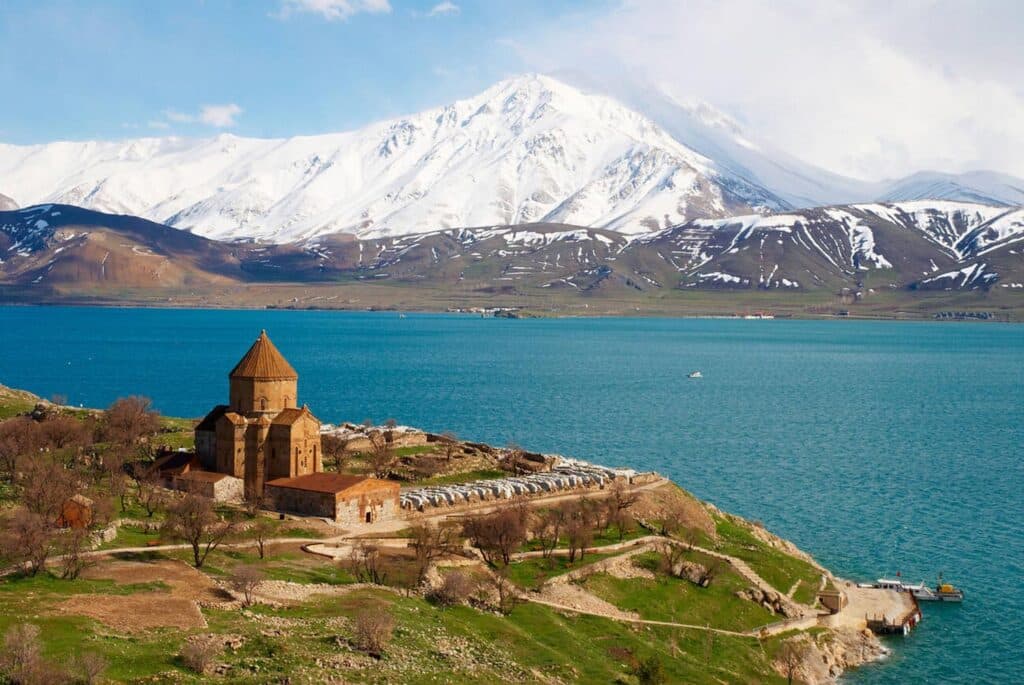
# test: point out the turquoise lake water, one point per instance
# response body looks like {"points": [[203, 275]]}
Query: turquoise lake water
{"points": [[876, 446]]}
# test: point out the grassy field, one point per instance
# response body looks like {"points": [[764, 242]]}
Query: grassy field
{"points": [[665, 598], [310, 641], [780, 570]]}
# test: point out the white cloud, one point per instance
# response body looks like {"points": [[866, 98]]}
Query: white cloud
{"points": [[862, 88], [221, 116], [218, 116], [443, 8], [333, 10]]}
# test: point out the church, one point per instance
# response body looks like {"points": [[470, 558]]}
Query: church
{"points": [[262, 433], [265, 442]]}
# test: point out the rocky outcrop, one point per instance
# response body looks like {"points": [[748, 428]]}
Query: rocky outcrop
{"points": [[770, 600], [823, 659]]}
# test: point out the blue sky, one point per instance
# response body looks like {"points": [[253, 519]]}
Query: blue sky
{"points": [[77, 70], [868, 88]]}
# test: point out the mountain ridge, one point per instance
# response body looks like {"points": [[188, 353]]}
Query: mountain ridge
{"points": [[528, 149]]}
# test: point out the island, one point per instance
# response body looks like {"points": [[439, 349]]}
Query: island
{"points": [[258, 544]]}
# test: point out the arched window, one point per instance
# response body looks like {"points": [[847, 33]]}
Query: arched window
{"points": [[263, 404], [287, 402]]}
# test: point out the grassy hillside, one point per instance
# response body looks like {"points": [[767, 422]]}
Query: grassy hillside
{"points": [[144, 612]]}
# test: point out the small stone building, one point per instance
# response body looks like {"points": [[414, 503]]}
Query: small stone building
{"points": [[76, 512], [220, 487], [261, 434], [349, 500]]}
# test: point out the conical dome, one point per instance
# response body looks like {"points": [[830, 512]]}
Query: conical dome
{"points": [[264, 361]]}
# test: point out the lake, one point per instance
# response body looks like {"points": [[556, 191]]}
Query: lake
{"points": [[876, 446]]}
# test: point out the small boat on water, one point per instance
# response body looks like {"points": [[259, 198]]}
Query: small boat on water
{"points": [[942, 592], [695, 374]]}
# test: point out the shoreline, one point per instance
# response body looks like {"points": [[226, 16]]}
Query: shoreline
{"points": [[532, 314]]}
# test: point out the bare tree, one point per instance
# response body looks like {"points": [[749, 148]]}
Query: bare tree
{"points": [[194, 520], [506, 592], [497, 535], [129, 419], [335, 449], [261, 530], [365, 562], [21, 658], [381, 455], [61, 432], [148, 490], [549, 525], [45, 486], [791, 657], [88, 668], [72, 543], [579, 533], [671, 557], [429, 543], [449, 445], [374, 627], [114, 469], [29, 539], [620, 500], [246, 580], [19, 436]]}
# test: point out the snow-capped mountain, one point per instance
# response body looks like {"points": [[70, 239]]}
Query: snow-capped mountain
{"points": [[528, 149]]}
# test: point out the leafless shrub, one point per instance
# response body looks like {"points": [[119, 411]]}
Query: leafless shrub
{"points": [[199, 654], [246, 580], [375, 626], [88, 667], [456, 588]]}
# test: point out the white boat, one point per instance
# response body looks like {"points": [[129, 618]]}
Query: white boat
{"points": [[943, 592], [695, 374]]}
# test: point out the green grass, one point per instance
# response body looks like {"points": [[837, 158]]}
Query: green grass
{"points": [[608, 536], [778, 569], [132, 536], [464, 477], [532, 573], [665, 598], [431, 644], [14, 407]]}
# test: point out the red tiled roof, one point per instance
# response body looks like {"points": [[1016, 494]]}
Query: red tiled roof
{"points": [[263, 361], [290, 415], [330, 483]]}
